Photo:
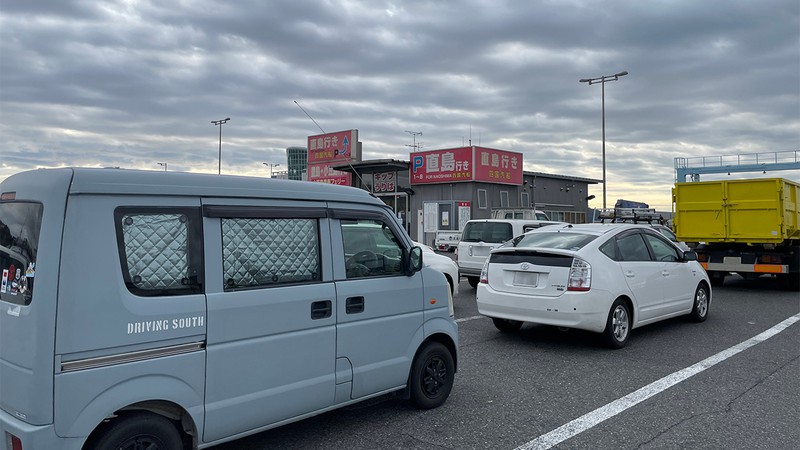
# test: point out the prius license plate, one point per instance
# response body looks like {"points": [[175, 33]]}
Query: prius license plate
{"points": [[526, 279]]}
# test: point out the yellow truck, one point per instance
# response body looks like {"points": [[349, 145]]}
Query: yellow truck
{"points": [[750, 227]]}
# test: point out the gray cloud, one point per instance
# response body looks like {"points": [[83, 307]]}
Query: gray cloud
{"points": [[132, 84]]}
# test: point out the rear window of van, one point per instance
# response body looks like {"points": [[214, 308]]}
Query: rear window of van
{"points": [[490, 232], [20, 225]]}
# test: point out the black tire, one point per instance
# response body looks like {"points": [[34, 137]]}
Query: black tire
{"points": [[716, 278], [618, 325], [506, 325], [700, 304], [790, 281], [473, 281], [432, 376], [136, 431]]}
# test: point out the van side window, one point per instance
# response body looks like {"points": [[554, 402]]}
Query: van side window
{"points": [[268, 252], [160, 250], [20, 225], [371, 249]]}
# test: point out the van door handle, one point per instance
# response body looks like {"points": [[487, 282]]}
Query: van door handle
{"points": [[321, 310], [354, 305]]}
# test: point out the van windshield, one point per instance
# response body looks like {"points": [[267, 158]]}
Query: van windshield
{"points": [[20, 224]]}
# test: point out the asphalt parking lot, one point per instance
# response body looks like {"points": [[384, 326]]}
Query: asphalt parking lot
{"points": [[731, 382]]}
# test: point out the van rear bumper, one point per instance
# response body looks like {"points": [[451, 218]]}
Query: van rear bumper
{"points": [[33, 436]]}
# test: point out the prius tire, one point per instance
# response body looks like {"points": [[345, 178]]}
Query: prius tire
{"points": [[138, 430], [618, 325], [506, 325], [701, 303], [432, 376]]}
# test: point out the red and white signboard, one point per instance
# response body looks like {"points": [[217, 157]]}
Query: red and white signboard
{"points": [[498, 166], [441, 166], [330, 149], [466, 164], [384, 182], [322, 173]]}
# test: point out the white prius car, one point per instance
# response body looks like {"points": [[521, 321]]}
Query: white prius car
{"points": [[607, 278]]}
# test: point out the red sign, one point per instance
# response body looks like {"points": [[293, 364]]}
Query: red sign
{"points": [[336, 146], [384, 182], [323, 173], [466, 164], [498, 166], [442, 166]]}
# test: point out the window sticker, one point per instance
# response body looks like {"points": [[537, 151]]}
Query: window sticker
{"points": [[5, 282]]}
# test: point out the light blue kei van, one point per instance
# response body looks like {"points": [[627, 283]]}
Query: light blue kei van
{"points": [[186, 310]]}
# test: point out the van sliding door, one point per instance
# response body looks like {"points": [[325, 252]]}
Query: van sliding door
{"points": [[271, 314]]}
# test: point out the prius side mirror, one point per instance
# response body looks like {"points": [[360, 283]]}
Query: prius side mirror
{"points": [[689, 256], [414, 260]]}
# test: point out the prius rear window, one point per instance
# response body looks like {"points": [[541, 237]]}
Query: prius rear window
{"points": [[20, 225]]}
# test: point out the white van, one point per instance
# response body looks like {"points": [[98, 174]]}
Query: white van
{"points": [[174, 310], [481, 236]]}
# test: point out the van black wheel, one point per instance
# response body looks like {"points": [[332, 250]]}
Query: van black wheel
{"points": [[432, 376], [506, 325], [473, 281], [138, 431], [618, 325], [701, 303]]}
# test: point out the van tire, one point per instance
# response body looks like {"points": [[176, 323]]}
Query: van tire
{"points": [[473, 281], [432, 376], [137, 430]]}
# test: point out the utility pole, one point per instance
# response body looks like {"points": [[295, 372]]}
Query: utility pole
{"points": [[220, 123], [602, 80]]}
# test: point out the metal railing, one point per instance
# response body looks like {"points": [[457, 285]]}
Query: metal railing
{"points": [[740, 163]]}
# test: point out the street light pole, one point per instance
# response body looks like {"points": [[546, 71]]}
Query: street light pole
{"points": [[270, 165], [164, 165], [220, 123], [602, 80]]}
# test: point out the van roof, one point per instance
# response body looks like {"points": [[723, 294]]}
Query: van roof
{"points": [[151, 182]]}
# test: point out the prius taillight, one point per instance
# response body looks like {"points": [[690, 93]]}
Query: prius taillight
{"points": [[580, 276]]}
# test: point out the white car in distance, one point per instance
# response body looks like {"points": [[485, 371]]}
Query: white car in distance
{"points": [[606, 278]]}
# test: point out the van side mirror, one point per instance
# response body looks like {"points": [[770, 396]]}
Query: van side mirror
{"points": [[414, 260], [689, 256]]}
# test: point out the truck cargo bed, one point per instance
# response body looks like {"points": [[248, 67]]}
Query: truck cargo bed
{"points": [[753, 211]]}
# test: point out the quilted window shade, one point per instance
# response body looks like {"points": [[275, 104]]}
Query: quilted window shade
{"points": [[156, 250], [264, 252]]}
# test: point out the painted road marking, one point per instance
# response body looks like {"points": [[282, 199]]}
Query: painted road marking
{"points": [[467, 319], [610, 410]]}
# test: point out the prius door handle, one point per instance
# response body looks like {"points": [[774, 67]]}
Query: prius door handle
{"points": [[354, 305], [321, 310], [630, 274]]}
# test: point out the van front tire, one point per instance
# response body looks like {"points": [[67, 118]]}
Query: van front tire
{"points": [[432, 376], [138, 430]]}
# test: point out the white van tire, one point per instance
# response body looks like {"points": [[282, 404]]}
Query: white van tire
{"points": [[473, 281], [432, 376], [138, 430]]}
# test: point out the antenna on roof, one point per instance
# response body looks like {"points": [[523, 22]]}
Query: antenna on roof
{"points": [[320, 129], [309, 116]]}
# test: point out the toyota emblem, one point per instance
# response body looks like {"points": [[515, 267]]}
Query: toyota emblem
{"points": [[524, 266]]}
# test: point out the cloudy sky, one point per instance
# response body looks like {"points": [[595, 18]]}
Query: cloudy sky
{"points": [[134, 83]]}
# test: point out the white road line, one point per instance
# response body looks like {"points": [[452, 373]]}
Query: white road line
{"points": [[467, 319], [610, 410]]}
